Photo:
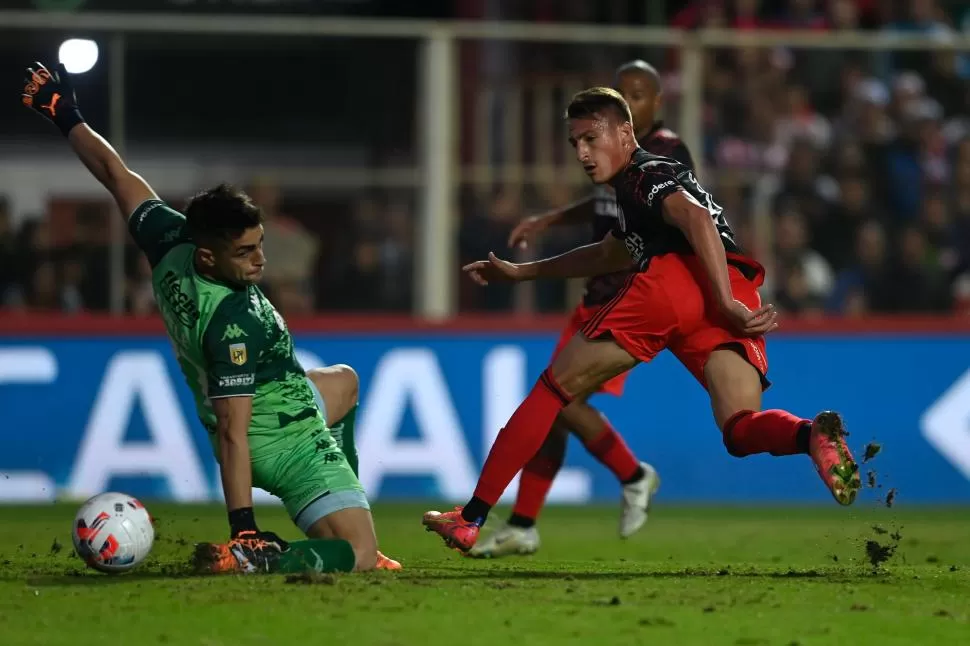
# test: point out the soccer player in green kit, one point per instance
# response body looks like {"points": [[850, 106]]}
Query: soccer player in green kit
{"points": [[238, 359]]}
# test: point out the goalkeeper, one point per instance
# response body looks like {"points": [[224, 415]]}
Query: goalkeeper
{"points": [[238, 359]]}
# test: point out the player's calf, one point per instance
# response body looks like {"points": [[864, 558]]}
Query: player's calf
{"points": [[583, 365], [734, 385], [537, 478], [355, 526]]}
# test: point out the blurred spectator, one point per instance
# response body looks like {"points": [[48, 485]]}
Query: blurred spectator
{"points": [[93, 251], [961, 205], [936, 225], [8, 255], [867, 286], [836, 232], [290, 253], [804, 277], [802, 14], [372, 266], [34, 255], [72, 281], [804, 187], [486, 231], [397, 252], [915, 156], [139, 297], [801, 121], [41, 293], [945, 84], [920, 285], [907, 89]]}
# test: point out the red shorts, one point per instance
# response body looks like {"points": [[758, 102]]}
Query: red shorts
{"points": [[581, 316], [671, 306]]}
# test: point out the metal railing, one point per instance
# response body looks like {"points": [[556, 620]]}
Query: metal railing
{"points": [[438, 176]]}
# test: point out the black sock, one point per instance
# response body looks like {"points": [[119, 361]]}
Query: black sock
{"points": [[638, 475], [524, 522], [801, 439], [476, 511]]}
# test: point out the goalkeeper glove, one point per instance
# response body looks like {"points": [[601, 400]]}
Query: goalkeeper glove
{"points": [[242, 528], [52, 95]]}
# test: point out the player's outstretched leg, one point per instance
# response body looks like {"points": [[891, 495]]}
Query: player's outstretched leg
{"points": [[735, 388], [339, 388], [250, 557], [519, 536], [580, 369]]}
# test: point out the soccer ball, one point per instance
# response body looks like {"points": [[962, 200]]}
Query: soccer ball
{"points": [[113, 532]]}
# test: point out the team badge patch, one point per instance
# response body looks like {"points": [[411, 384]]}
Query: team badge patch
{"points": [[237, 353]]}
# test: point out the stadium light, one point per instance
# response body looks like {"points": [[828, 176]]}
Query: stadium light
{"points": [[78, 55]]}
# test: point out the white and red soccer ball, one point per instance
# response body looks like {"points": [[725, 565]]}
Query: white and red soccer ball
{"points": [[113, 532]]}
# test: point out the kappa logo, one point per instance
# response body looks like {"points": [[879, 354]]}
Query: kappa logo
{"points": [[233, 332], [238, 354], [656, 189]]}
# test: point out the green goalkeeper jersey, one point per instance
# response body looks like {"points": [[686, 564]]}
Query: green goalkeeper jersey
{"points": [[229, 341]]}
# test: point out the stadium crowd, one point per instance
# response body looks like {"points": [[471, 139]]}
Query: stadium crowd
{"points": [[864, 158]]}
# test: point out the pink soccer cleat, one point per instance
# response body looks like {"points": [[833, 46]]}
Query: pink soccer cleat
{"points": [[385, 563], [832, 458], [455, 530]]}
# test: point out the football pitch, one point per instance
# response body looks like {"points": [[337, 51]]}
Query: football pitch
{"points": [[692, 576]]}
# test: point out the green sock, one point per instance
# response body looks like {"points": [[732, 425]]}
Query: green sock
{"points": [[316, 555], [343, 433]]}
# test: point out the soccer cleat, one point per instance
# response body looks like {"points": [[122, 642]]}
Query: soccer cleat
{"points": [[636, 500], [241, 556], [455, 530], [508, 540], [384, 563], [832, 458]]}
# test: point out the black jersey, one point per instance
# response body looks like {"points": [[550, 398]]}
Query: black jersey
{"points": [[640, 192], [659, 141]]}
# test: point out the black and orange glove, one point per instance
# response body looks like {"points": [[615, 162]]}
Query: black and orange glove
{"points": [[52, 95], [242, 527]]}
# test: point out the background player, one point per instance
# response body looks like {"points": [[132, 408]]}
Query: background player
{"points": [[693, 292], [236, 354], [639, 84]]}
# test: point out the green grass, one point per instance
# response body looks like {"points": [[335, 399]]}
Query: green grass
{"points": [[693, 576]]}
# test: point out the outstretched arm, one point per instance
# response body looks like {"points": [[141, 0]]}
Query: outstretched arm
{"points": [[526, 231], [604, 257], [128, 188], [52, 95]]}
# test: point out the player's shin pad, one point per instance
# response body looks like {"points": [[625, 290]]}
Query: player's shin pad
{"points": [[343, 433], [316, 555]]}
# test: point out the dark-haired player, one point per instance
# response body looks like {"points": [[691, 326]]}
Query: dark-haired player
{"points": [[692, 292], [639, 84], [238, 359]]}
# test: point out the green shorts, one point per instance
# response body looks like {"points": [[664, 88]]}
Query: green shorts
{"points": [[310, 474]]}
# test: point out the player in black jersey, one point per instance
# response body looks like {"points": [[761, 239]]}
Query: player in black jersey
{"points": [[640, 85], [692, 291]]}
